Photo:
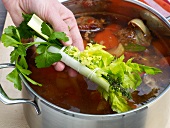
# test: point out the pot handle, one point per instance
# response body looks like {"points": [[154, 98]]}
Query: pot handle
{"points": [[9, 101]]}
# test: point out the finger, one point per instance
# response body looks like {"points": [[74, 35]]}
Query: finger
{"points": [[14, 10], [59, 66], [72, 72], [70, 20], [75, 34]]}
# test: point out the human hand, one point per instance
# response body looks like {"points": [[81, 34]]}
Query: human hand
{"points": [[53, 12]]}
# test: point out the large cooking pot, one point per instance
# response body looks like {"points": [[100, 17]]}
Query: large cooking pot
{"points": [[43, 114]]}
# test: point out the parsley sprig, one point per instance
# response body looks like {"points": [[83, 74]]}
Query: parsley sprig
{"points": [[12, 37]]}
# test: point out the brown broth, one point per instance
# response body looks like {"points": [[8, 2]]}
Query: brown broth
{"points": [[67, 92], [74, 93]]}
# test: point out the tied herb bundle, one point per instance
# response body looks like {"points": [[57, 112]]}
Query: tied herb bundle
{"points": [[115, 78]]}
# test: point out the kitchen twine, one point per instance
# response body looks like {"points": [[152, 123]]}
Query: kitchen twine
{"points": [[78, 69], [92, 73]]}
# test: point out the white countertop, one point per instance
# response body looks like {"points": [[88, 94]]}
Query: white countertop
{"points": [[12, 116]]}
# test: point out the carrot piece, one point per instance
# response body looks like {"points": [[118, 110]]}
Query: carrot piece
{"points": [[107, 37]]}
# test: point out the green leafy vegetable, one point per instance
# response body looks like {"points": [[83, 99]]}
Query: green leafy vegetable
{"points": [[24, 30], [9, 41], [115, 78], [131, 47], [46, 29], [46, 58], [11, 37], [14, 78]]}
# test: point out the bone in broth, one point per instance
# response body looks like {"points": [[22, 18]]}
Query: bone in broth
{"points": [[120, 37]]}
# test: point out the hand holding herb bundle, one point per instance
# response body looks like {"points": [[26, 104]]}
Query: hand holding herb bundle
{"points": [[115, 78]]}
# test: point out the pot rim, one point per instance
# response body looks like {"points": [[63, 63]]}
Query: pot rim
{"points": [[152, 10], [106, 116]]}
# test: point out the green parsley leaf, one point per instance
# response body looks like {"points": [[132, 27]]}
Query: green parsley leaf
{"points": [[22, 70], [18, 51], [23, 62], [32, 81], [9, 41], [46, 29], [15, 78], [24, 30], [9, 30], [13, 32], [14, 56], [46, 59], [21, 50], [59, 35], [26, 17], [41, 49]]}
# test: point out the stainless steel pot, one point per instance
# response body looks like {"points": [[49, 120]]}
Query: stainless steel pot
{"points": [[42, 114]]}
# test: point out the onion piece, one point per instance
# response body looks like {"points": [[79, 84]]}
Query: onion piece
{"points": [[142, 34], [118, 51], [139, 23]]}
